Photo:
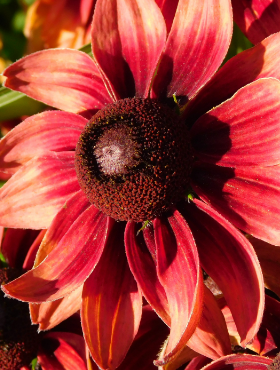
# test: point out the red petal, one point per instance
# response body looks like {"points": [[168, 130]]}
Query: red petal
{"points": [[196, 46], [242, 131], [267, 340], [63, 78], [34, 194], [31, 254], [179, 272], [60, 225], [228, 257], [47, 131], [86, 9], [197, 363], [248, 197], [257, 19], [250, 65], [168, 9], [269, 257], [143, 268], [239, 362], [112, 305], [50, 314], [146, 346], [68, 264], [128, 58], [69, 354], [211, 336]]}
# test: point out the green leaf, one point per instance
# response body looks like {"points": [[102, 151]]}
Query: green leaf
{"points": [[239, 43], [14, 104], [3, 261], [34, 363], [87, 49]]}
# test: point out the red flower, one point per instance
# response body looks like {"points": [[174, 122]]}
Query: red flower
{"points": [[229, 161], [20, 342]]}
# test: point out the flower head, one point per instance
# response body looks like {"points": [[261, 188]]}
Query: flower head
{"points": [[122, 152], [21, 344], [18, 339], [132, 160]]}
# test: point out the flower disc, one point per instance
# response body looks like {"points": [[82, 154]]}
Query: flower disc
{"points": [[18, 338], [133, 159]]}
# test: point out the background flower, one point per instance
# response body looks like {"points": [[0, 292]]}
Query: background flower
{"points": [[257, 19], [20, 343], [64, 23]]}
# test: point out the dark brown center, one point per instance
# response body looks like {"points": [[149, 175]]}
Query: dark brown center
{"points": [[18, 338], [275, 364], [133, 159]]}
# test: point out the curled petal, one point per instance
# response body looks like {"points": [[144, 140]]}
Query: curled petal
{"points": [[246, 196], [49, 314], [31, 254], [196, 46], [211, 337], [60, 225], [228, 257], [112, 305], [257, 19], [63, 78], [127, 44], [239, 362], [242, 131], [197, 363], [64, 269], [145, 346], [34, 194], [144, 270], [178, 271], [48, 131]]}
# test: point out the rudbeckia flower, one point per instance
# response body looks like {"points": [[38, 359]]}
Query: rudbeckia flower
{"points": [[138, 192]]}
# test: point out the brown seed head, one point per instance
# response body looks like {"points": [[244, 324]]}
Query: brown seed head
{"points": [[133, 159]]}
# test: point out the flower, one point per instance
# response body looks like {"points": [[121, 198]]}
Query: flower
{"points": [[257, 19], [52, 24], [120, 110], [20, 343]]}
